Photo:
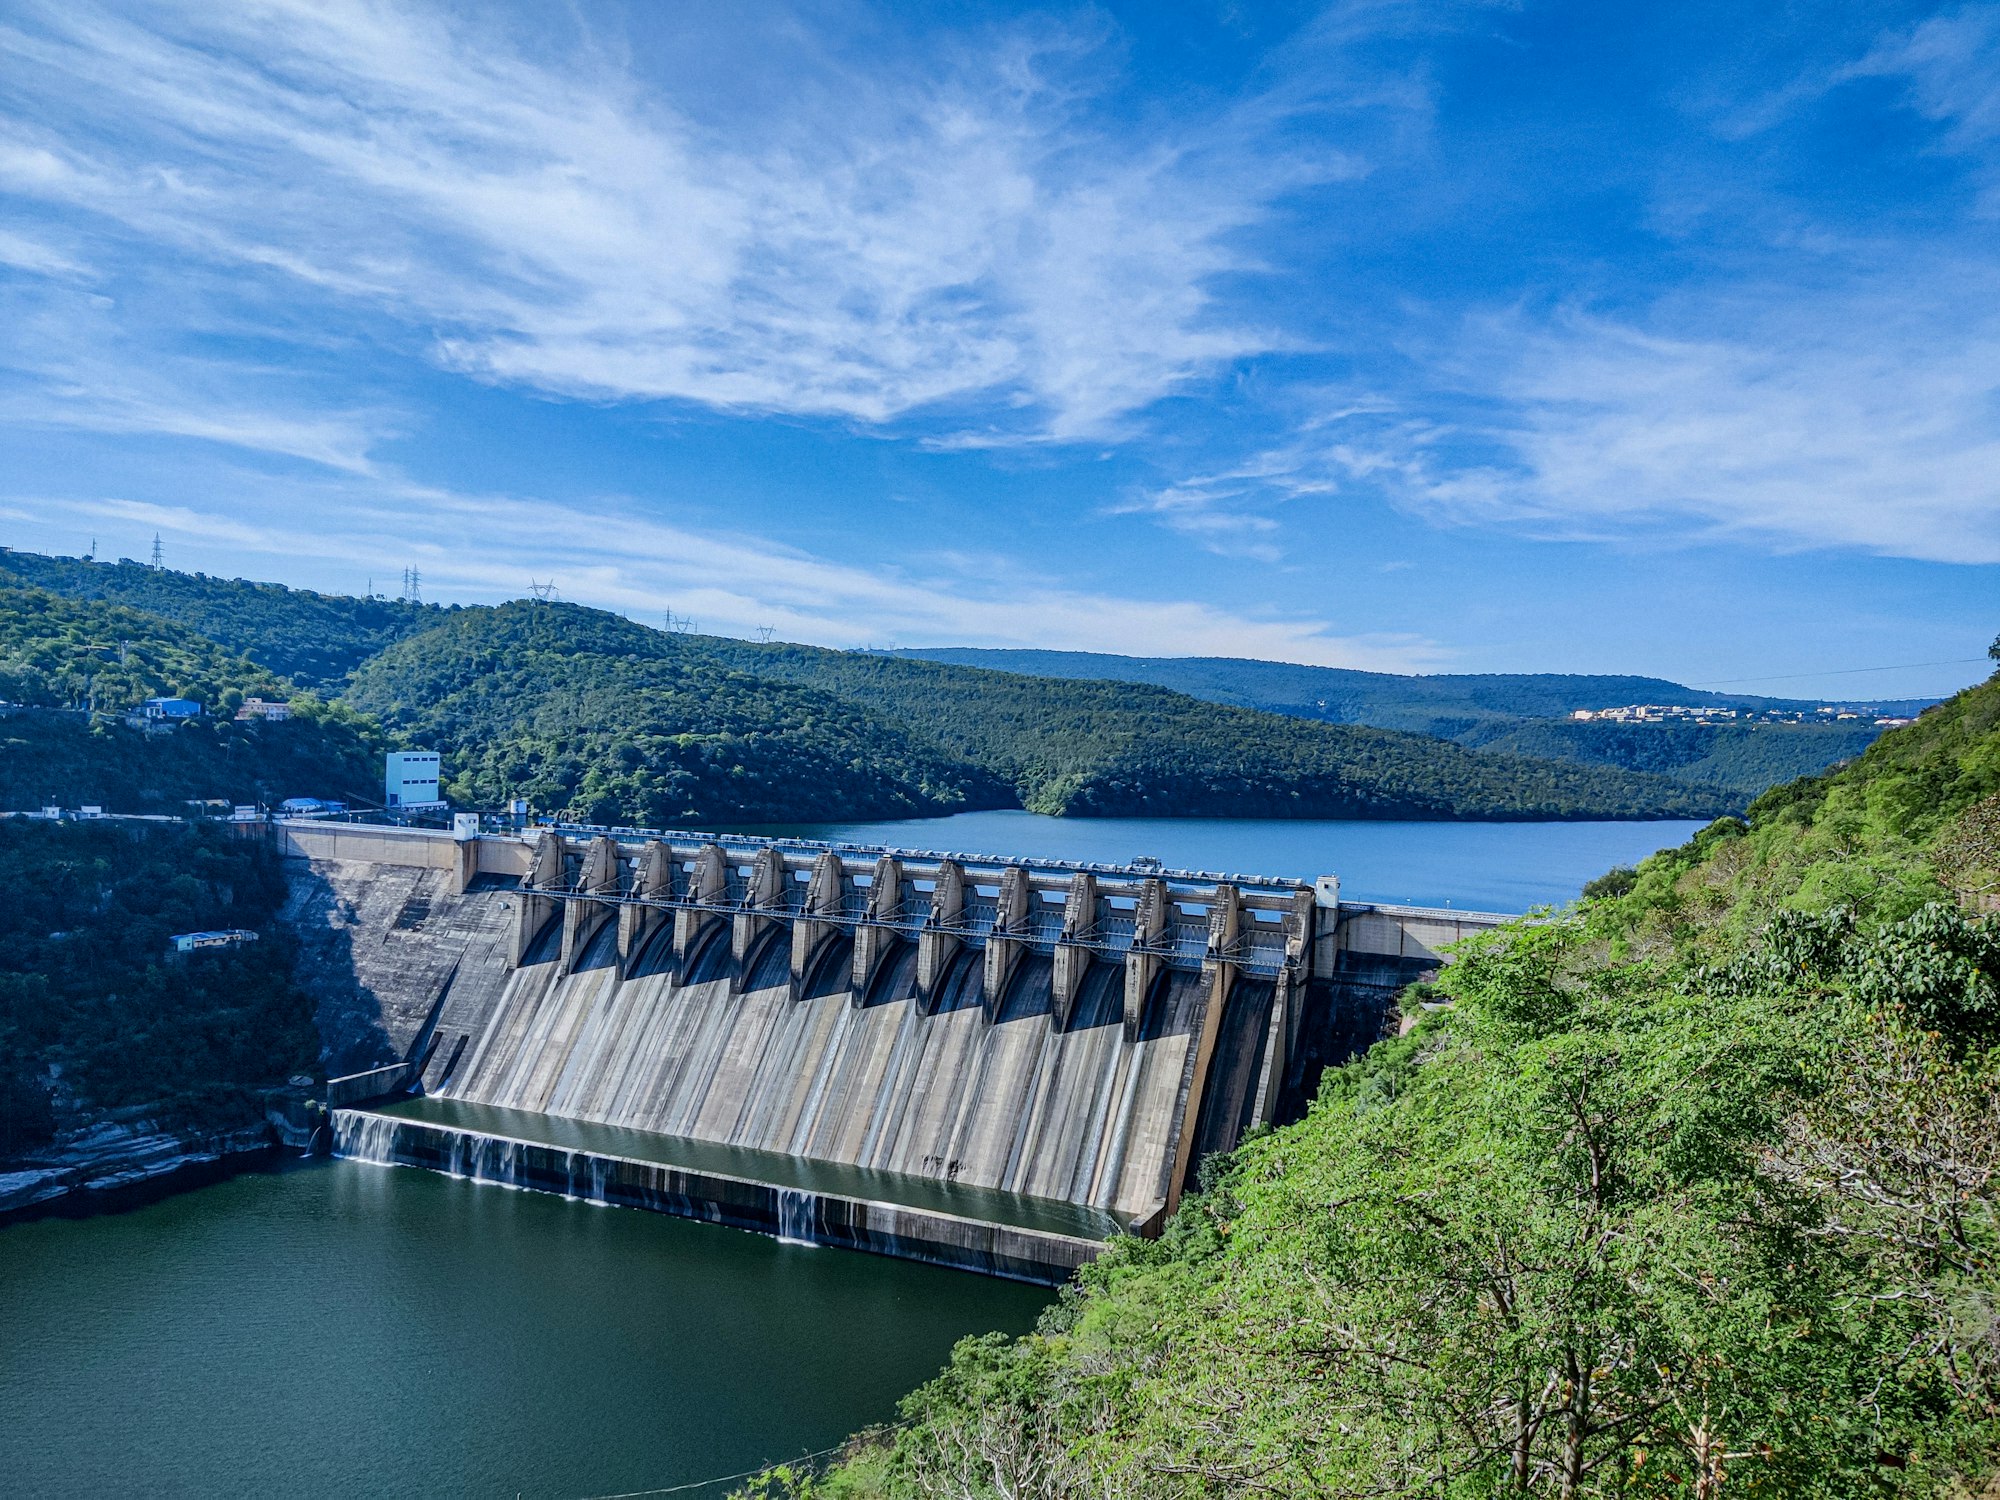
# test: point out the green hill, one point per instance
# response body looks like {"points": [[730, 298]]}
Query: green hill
{"points": [[598, 719], [1691, 1192], [317, 640], [1385, 699], [313, 639], [1109, 749], [68, 653], [60, 657], [1746, 759], [1518, 713], [95, 1017]]}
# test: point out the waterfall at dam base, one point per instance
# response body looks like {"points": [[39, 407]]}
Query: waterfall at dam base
{"points": [[709, 1051], [785, 1213], [993, 1063]]}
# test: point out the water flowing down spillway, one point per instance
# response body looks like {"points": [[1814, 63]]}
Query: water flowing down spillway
{"points": [[1012, 1102]]}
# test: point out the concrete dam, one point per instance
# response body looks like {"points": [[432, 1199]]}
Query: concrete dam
{"points": [[989, 1063]]}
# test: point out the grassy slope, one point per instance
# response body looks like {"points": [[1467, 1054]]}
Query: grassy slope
{"points": [[1698, 1185]]}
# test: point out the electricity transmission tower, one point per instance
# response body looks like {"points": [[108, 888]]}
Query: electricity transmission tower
{"points": [[765, 632], [159, 560], [543, 592]]}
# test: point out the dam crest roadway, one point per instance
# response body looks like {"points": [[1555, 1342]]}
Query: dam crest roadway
{"points": [[954, 1044]]}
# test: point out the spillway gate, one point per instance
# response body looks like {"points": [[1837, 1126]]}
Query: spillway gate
{"points": [[1081, 1033]]}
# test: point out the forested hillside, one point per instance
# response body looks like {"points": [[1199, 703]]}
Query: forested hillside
{"points": [[312, 639], [1110, 749], [1744, 758], [1344, 695], [1692, 1191], [1519, 713], [602, 720], [62, 656], [63, 653], [94, 1014]]}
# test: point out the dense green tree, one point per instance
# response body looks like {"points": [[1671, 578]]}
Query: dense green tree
{"points": [[601, 720], [1118, 749], [1692, 1191], [309, 638], [96, 1014]]}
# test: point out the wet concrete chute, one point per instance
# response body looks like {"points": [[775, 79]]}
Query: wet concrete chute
{"points": [[911, 1052]]}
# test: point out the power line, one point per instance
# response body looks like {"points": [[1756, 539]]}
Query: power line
{"points": [[1840, 672], [702, 1484]]}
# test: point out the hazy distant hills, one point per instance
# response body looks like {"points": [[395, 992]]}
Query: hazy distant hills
{"points": [[598, 718], [1442, 703], [1522, 713]]}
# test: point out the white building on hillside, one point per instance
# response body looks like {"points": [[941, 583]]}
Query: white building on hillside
{"points": [[410, 780]]}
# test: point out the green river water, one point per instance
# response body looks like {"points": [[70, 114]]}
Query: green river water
{"points": [[345, 1329]]}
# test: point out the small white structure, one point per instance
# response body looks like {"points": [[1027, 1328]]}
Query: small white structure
{"points": [[410, 780], [195, 942]]}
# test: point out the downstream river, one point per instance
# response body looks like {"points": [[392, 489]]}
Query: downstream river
{"points": [[344, 1329], [347, 1329]]}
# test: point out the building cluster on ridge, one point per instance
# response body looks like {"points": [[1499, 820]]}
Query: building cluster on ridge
{"points": [[1679, 713]]}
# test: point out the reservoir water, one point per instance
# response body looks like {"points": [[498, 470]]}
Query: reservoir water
{"points": [[349, 1329], [1506, 867], [345, 1329]]}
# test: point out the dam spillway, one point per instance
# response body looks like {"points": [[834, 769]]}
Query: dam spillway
{"points": [[1080, 1035]]}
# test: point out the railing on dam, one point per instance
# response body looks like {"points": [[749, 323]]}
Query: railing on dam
{"points": [[1180, 918], [943, 903], [492, 824], [1039, 914]]}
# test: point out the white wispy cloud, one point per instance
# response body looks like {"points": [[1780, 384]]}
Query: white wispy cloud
{"points": [[616, 556], [1858, 416], [1950, 64], [67, 365], [26, 253], [875, 243]]}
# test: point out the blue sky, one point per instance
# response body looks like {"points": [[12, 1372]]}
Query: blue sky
{"points": [[1428, 336]]}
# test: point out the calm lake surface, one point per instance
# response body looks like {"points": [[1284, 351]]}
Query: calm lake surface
{"points": [[346, 1329], [343, 1329], [1482, 866]]}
